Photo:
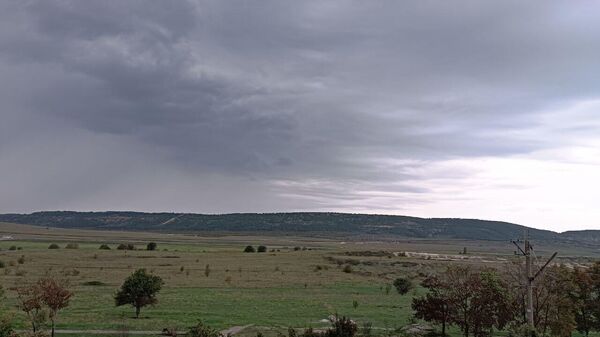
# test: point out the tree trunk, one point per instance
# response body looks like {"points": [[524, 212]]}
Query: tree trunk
{"points": [[444, 328], [52, 335], [137, 312]]}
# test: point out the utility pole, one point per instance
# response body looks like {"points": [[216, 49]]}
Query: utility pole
{"points": [[530, 277]]}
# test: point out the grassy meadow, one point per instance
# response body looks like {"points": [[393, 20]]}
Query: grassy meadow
{"points": [[212, 279]]}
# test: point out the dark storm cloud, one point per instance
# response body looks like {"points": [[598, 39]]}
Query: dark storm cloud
{"points": [[309, 98]]}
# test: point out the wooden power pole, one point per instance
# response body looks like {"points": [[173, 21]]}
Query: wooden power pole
{"points": [[530, 276]]}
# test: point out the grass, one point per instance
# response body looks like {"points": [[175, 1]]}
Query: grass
{"points": [[272, 289]]}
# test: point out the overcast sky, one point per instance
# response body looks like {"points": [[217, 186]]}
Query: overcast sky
{"points": [[474, 109]]}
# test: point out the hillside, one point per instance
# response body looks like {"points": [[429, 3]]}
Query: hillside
{"points": [[309, 223]]}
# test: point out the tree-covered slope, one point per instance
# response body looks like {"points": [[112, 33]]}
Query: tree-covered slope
{"points": [[314, 223]]}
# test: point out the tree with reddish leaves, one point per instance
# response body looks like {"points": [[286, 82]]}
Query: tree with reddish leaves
{"points": [[30, 302], [475, 301], [435, 305], [55, 296]]}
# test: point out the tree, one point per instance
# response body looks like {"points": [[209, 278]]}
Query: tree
{"points": [[261, 249], [139, 290], [151, 246], [475, 301], [249, 249], [30, 302], [403, 285], [55, 296], [435, 305], [586, 301]]}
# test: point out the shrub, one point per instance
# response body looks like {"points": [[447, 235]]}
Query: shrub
{"points": [[21, 260], [12, 248], [2, 264], [72, 246], [261, 249], [7, 326], [207, 270], [104, 247], [297, 248], [347, 269], [93, 283], [249, 249], [151, 246], [11, 263], [53, 246], [203, 330], [128, 246], [340, 327], [403, 285]]}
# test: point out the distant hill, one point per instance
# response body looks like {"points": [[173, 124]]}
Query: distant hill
{"points": [[308, 223]]}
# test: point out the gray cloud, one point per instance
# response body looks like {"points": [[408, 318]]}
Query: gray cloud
{"points": [[304, 101]]}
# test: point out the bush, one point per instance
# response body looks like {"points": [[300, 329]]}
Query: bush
{"points": [[93, 283], [12, 248], [104, 247], [53, 246], [203, 330], [261, 249], [7, 326], [297, 248], [72, 246], [340, 327], [151, 246], [249, 249], [403, 285], [128, 246], [2, 264], [21, 260], [347, 269]]}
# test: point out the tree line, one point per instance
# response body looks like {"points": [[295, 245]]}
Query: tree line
{"points": [[479, 301]]}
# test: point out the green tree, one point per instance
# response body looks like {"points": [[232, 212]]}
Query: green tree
{"points": [[249, 249], [586, 301], [261, 249], [151, 246], [139, 290]]}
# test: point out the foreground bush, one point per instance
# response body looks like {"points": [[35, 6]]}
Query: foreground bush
{"points": [[203, 330], [340, 327]]}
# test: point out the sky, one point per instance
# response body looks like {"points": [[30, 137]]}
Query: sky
{"points": [[471, 109]]}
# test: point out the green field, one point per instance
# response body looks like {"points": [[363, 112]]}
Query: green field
{"points": [[274, 290]]}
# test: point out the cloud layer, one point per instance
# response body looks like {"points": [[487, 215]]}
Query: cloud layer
{"points": [[470, 109]]}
